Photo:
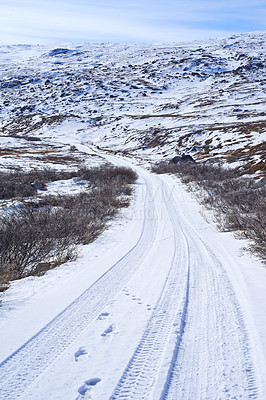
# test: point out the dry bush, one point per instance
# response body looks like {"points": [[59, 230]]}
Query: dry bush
{"points": [[29, 237], [20, 184], [239, 201], [40, 235], [108, 173], [11, 189], [165, 167]]}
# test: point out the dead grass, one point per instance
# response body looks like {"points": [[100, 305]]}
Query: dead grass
{"points": [[44, 153], [18, 151], [59, 159], [29, 123]]}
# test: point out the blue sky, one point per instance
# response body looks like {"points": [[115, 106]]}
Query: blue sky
{"points": [[34, 21]]}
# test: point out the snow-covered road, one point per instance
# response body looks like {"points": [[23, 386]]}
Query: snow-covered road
{"points": [[165, 319]]}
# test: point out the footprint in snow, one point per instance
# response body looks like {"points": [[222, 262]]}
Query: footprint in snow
{"points": [[103, 315], [81, 354], [135, 298], [84, 390], [109, 330]]}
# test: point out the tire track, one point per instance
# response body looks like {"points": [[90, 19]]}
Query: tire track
{"points": [[27, 363], [211, 358], [214, 360], [141, 373]]}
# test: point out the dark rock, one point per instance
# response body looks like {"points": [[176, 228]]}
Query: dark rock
{"points": [[11, 84], [32, 139], [183, 158], [176, 159], [39, 185], [187, 158], [60, 51]]}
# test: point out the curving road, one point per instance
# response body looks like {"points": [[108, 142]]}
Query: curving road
{"points": [[211, 358], [195, 345]]}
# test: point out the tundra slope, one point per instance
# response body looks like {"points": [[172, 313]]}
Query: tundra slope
{"points": [[206, 98]]}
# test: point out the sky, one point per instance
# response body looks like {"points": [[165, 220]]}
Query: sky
{"points": [[127, 21]]}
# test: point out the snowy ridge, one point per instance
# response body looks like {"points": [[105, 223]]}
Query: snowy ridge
{"points": [[204, 98]]}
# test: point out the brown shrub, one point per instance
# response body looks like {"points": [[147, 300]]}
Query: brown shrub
{"points": [[20, 184], [40, 235], [239, 201]]}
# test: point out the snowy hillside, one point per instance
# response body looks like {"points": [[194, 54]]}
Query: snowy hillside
{"points": [[204, 98], [162, 305]]}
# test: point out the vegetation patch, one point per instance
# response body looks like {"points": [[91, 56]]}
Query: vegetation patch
{"points": [[25, 184], [41, 234], [41, 154], [30, 123], [238, 201]]}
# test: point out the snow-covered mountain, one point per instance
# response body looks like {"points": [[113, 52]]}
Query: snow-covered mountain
{"points": [[202, 98]]}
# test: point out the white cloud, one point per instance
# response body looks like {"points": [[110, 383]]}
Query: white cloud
{"points": [[133, 20]]}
